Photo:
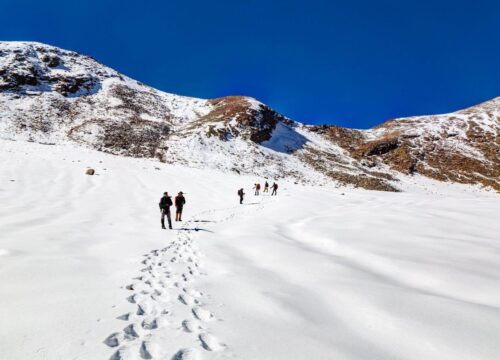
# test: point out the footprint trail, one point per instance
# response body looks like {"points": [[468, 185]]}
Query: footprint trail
{"points": [[169, 310]]}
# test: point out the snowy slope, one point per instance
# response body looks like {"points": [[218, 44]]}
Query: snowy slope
{"points": [[314, 273], [54, 96]]}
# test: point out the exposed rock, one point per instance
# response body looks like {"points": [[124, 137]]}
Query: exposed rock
{"points": [[90, 172], [235, 116]]}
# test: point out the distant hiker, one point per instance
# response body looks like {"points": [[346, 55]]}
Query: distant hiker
{"points": [[179, 204], [275, 189], [165, 204], [257, 189], [266, 187], [241, 194]]}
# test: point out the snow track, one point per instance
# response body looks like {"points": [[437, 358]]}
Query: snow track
{"points": [[167, 300]]}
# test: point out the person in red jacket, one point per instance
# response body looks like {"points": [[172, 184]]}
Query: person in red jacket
{"points": [[257, 189], [179, 201]]}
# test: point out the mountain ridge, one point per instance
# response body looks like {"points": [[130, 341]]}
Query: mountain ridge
{"points": [[52, 95]]}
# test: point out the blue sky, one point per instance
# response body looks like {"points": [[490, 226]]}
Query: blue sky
{"points": [[350, 63]]}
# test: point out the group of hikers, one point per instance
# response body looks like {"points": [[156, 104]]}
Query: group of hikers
{"points": [[257, 188], [180, 201], [166, 203]]}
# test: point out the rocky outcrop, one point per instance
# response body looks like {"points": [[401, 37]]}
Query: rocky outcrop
{"points": [[238, 116]]}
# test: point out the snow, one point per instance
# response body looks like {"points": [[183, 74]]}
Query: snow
{"points": [[285, 139], [313, 273]]}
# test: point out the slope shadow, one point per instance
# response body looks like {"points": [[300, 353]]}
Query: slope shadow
{"points": [[285, 139]]}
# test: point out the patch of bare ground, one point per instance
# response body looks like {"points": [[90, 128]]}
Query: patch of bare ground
{"points": [[393, 150], [234, 116], [348, 139], [362, 180], [136, 138], [452, 166], [346, 174]]}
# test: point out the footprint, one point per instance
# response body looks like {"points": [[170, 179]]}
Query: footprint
{"points": [[124, 353], [191, 326], [149, 324], [192, 292], [113, 340], [133, 331], [157, 295], [140, 312], [149, 350], [187, 299], [186, 354], [124, 317], [202, 314], [210, 342], [145, 308], [155, 274]]}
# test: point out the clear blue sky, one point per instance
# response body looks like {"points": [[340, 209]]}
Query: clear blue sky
{"points": [[351, 63]]}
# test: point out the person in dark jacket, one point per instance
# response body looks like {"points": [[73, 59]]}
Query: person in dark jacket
{"points": [[179, 204], [275, 189], [241, 194], [165, 204], [266, 187]]}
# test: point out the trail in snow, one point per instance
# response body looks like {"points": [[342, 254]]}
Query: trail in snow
{"points": [[167, 300]]}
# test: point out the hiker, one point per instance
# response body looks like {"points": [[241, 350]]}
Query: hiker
{"points": [[275, 189], [179, 204], [266, 187], [165, 204], [241, 194], [257, 189]]}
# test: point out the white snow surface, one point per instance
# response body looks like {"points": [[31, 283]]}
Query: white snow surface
{"points": [[313, 273]]}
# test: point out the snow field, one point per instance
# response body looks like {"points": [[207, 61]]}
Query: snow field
{"points": [[314, 273]]}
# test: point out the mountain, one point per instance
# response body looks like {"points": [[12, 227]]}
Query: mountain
{"points": [[54, 96]]}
